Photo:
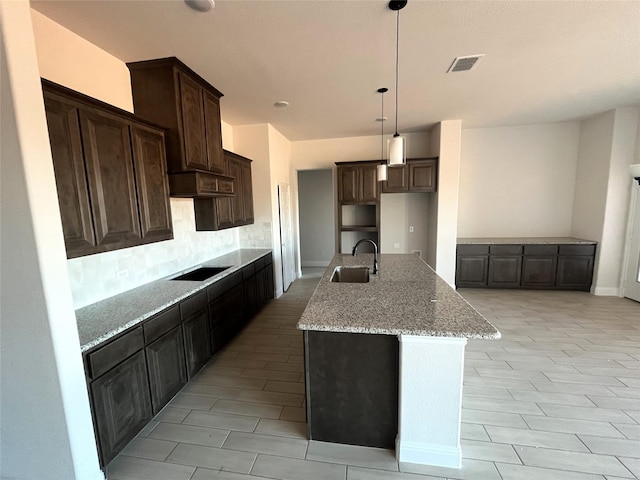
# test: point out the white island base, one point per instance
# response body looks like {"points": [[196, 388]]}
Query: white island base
{"points": [[430, 400]]}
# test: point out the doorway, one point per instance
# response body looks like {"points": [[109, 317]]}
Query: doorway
{"points": [[286, 236], [632, 280]]}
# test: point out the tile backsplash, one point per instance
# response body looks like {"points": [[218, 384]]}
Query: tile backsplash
{"points": [[96, 277]]}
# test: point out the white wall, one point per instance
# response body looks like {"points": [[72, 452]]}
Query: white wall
{"points": [[46, 423], [317, 223], [66, 58], [603, 188], [447, 200], [518, 181]]}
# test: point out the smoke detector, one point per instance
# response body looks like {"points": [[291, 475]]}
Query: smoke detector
{"points": [[200, 5], [464, 64]]}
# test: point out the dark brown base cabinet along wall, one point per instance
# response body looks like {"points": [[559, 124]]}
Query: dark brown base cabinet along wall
{"points": [[537, 266], [133, 375], [110, 170]]}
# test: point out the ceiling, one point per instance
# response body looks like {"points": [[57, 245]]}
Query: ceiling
{"points": [[546, 61]]}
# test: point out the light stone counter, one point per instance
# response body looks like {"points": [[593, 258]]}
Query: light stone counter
{"points": [[524, 241], [406, 297], [102, 320]]}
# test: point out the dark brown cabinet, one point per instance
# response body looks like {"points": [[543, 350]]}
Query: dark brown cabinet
{"points": [[358, 183], [121, 405], [110, 174], [535, 266], [70, 173], [575, 267], [417, 175], [165, 360], [539, 265], [505, 266], [472, 263], [226, 212], [136, 373], [172, 95]]}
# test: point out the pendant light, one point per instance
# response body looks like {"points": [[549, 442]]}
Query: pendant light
{"points": [[381, 169], [397, 144]]}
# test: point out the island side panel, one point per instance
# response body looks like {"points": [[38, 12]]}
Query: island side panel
{"points": [[352, 388]]}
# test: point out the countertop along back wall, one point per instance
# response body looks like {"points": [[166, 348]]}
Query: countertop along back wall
{"points": [[68, 59]]}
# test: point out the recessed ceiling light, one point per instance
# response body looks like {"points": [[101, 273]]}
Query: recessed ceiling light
{"points": [[281, 104], [200, 5]]}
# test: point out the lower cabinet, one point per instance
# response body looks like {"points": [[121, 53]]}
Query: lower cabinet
{"points": [[197, 344], [165, 362], [134, 375], [535, 266], [121, 405]]}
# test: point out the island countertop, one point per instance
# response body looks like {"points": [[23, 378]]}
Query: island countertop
{"points": [[102, 320], [523, 241], [406, 297]]}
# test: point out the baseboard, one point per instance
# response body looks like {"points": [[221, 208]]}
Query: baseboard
{"points": [[606, 291], [428, 454], [315, 263]]}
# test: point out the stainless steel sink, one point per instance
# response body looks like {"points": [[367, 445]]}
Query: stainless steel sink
{"points": [[350, 275], [201, 273]]}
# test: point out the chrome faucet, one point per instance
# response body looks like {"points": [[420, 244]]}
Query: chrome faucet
{"points": [[375, 252]]}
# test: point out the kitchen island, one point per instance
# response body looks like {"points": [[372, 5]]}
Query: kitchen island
{"points": [[384, 359]]}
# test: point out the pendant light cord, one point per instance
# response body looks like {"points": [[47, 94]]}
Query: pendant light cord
{"points": [[397, 63], [382, 129]]}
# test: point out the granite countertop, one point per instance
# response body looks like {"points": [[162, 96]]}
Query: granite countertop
{"points": [[524, 241], [102, 320], [406, 297]]}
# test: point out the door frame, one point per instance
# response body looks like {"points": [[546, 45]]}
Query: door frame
{"points": [[633, 213]]}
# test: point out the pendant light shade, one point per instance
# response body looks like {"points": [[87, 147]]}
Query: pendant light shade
{"points": [[397, 150], [381, 170]]}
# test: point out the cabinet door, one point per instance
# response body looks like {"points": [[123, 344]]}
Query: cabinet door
{"points": [[422, 176], [575, 272], [226, 316], [107, 149], [197, 345], [472, 271], [348, 184], [237, 202], [504, 271], [165, 361], [247, 192], [224, 212], [151, 179], [215, 156], [539, 271], [397, 181], [193, 131], [71, 181], [122, 405], [270, 286], [368, 184]]}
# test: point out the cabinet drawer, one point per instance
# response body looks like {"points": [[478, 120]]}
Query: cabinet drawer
{"points": [[505, 249], [224, 284], [193, 304], [115, 352], [161, 323], [248, 271], [541, 249], [259, 264], [577, 249], [473, 249]]}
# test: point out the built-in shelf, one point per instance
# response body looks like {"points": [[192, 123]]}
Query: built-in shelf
{"points": [[359, 228]]}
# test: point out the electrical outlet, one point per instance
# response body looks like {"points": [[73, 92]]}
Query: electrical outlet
{"points": [[396, 245], [410, 228], [120, 274]]}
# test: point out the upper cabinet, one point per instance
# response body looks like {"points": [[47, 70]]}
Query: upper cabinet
{"points": [[169, 93], [110, 170], [357, 183], [226, 212], [417, 175]]}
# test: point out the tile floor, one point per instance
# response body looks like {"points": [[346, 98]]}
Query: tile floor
{"points": [[557, 398]]}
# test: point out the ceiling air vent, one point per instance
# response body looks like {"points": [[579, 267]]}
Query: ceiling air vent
{"points": [[464, 64]]}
